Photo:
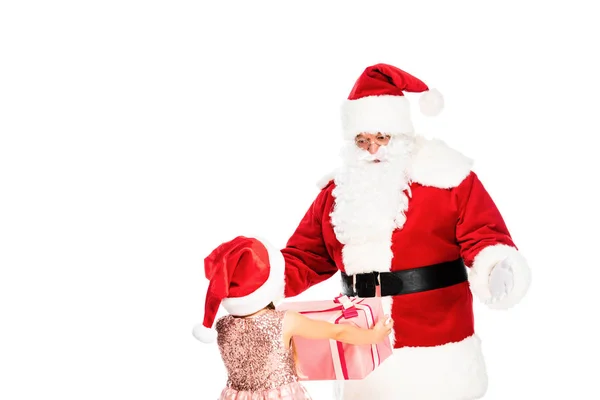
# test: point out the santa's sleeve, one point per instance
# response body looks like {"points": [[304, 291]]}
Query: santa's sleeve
{"points": [[307, 260], [485, 240]]}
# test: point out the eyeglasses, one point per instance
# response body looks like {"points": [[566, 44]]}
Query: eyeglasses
{"points": [[364, 143]]}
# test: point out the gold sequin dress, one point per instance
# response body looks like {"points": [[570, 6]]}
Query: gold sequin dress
{"points": [[259, 367]]}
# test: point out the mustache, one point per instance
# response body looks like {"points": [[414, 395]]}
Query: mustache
{"points": [[382, 154]]}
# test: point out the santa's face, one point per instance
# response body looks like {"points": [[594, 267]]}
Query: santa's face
{"points": [[370, 149], [373, 143], [371, 199]]}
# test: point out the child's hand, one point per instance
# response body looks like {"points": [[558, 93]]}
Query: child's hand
{"points": [[383, 328]]}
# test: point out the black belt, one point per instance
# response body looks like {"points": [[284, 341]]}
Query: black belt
{"points": [[407, 281]]}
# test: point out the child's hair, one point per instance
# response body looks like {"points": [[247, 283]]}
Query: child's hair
{"points": [[271, 306]]}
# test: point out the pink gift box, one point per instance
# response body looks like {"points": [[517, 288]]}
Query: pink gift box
{"points": [[325, 359]]}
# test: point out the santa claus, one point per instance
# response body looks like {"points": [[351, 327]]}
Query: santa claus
{"points": [[406, 218]]}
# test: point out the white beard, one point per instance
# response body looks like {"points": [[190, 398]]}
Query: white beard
{"points": [[370, 204]]}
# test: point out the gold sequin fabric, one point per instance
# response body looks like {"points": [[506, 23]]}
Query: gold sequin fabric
{"points": [[258, 364]]}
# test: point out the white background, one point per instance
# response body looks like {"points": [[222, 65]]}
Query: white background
{"points": [[137, 136]]}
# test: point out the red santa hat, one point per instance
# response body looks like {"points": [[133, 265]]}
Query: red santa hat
{"points": [[377, 102], [245, 275]]}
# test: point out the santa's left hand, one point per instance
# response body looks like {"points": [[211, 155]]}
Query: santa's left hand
{"points": [[501, 281], [500, 276]]}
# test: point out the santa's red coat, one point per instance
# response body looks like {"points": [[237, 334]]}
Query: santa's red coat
{"points": [[442, 224], [450, 215]]}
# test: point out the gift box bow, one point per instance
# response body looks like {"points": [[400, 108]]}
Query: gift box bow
{"points": [[348, 306]]}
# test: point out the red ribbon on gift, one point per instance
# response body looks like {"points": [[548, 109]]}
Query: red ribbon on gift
{"points": [[348, 308]]}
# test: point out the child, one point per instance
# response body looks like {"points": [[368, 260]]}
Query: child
{"points": [[255, 340]]}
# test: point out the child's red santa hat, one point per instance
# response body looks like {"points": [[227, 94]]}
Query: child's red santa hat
{"points": [[245, 276], [377, 102]]}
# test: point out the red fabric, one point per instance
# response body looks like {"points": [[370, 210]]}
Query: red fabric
{"points": [[308, 261], [385, 79], [234, 269], [442, 225], [480, 223]]}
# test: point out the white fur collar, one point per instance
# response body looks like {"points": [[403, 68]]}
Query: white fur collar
{"points": [[434, 164]]}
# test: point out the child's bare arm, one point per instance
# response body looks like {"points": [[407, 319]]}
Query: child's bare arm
{"points": [[296, 324]]}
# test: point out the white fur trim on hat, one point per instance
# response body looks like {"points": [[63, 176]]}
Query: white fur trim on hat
{"points": [[372, 114], [483, 264], [271, 291], [204, 334]]}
